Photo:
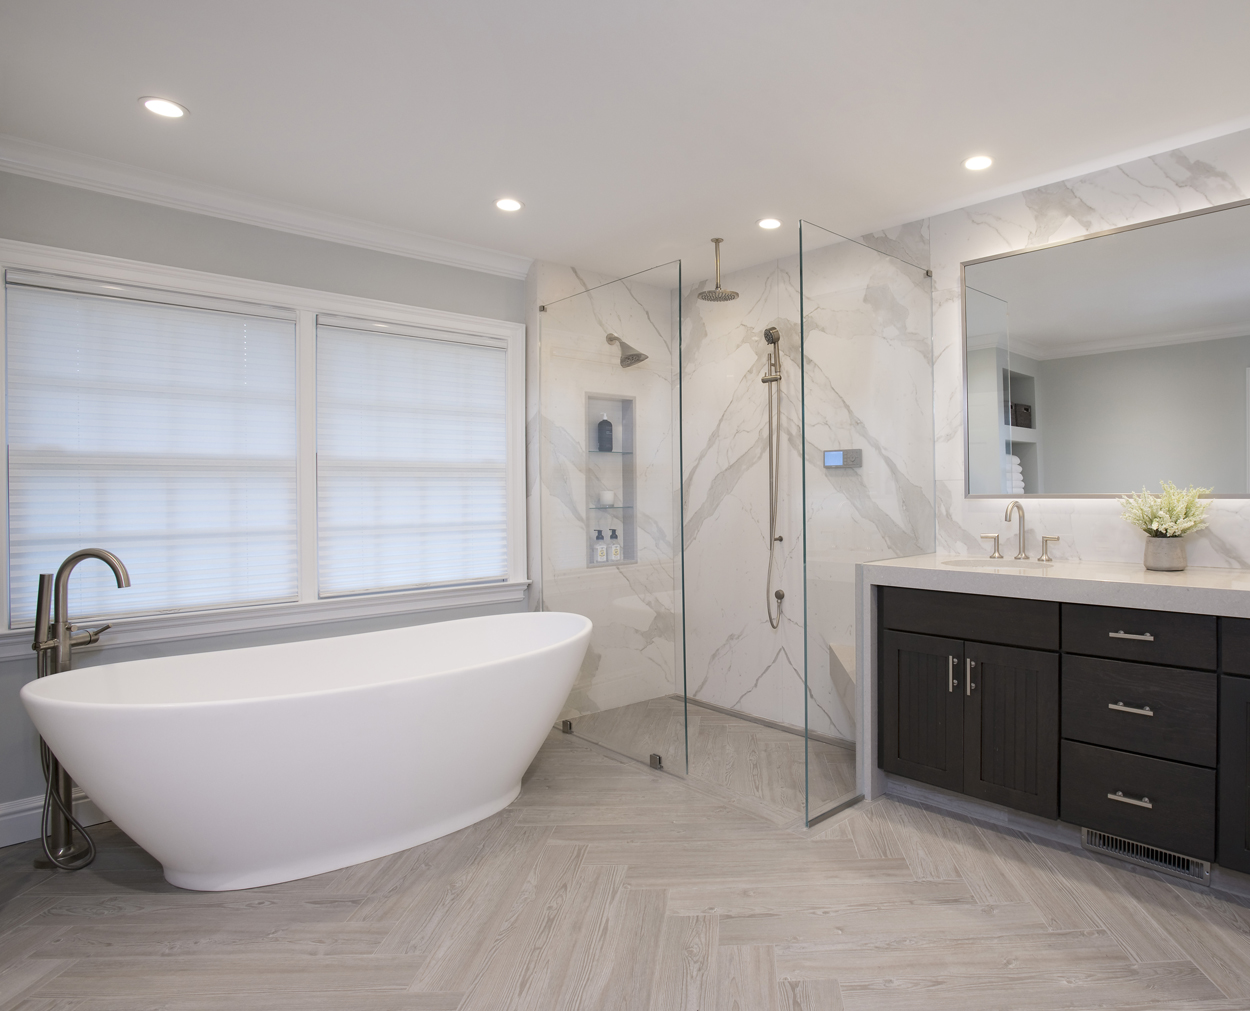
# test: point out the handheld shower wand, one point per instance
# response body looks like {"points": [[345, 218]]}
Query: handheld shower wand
{"points": [[772, 337]]}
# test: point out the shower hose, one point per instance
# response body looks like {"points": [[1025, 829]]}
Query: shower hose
{"points": [[52, 799], [774, 462]]}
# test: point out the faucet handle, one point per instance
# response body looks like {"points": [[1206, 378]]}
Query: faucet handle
{"points": [[1045, 555], [997, 553], [87, 637]]}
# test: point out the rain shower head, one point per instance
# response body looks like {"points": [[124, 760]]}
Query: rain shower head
{"points": [[718, 294], [629, 355], [772, 335]]}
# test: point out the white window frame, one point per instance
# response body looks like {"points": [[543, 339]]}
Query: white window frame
{"points": [[307, 304]]}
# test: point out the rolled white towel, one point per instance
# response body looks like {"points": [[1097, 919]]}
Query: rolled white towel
{"points": [[1014, 459]]}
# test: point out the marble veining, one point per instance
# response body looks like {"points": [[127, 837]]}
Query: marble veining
{"points": [[635, 608], [1201, 175], [868, 385]]}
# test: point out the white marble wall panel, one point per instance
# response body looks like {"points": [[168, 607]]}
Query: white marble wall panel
{"points": [[1202, 175], [634, 648], [868, 384], [734, 657]]}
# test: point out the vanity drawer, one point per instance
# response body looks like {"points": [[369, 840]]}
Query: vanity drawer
{"points": [[1007, 620], [1235, 645], [1181, 815], [1160, 711], [1166, 637]]}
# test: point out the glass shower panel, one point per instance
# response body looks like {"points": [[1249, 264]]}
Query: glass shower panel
{"points": [[609, 505], [868, 463], [740, 359]]}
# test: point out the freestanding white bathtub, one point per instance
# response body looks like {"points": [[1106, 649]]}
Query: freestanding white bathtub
{"points": [[251, 766]]}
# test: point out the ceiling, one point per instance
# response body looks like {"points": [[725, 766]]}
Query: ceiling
{"points": [[634, 131]]}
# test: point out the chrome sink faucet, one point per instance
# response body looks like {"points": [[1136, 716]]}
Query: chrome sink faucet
{"points": [[1020, 555]]}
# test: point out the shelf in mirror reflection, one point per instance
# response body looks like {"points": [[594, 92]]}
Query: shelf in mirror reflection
{"points": [[611, 452], [612, 509]]}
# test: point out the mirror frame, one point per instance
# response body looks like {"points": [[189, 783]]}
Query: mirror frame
{"points": [[963, 325]]}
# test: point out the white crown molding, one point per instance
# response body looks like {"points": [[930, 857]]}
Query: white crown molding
{"points": [[1077, 349], [52, 164], [1135, 343]]}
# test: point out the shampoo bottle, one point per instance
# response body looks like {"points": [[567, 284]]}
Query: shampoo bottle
{"points": [[605, 435], [601, 547]]}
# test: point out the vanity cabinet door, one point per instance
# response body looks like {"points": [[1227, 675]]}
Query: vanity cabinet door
{"points": [[922, 708], [1011, 727], [1234, 809]]}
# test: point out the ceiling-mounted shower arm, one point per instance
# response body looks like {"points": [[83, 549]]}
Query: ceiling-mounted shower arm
{"points": [[718, 294]]}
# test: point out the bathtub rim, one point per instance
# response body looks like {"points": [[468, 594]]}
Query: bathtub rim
{"points": [[31, 689]]}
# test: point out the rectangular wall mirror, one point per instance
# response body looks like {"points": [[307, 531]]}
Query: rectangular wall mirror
{"points": [[1108, 363]]}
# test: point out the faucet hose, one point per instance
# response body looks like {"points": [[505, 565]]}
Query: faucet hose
{"points": [[52, 799]]}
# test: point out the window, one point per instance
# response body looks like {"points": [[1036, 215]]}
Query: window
{"points": [[411, 459], [164, 433], [304, 455]]}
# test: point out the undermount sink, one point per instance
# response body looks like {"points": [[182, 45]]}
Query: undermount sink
{"points": [[996, 563]]}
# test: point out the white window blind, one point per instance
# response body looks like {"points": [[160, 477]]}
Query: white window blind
{"points": [[411, 460], [165, 433]]}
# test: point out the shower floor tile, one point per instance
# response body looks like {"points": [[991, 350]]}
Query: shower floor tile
{"points": [[758, 766]]}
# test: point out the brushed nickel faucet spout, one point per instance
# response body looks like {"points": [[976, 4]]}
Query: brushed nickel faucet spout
{"points": [[55, 640], [62, 630], [1020, 555]]}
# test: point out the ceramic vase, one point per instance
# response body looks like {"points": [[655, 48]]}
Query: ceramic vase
{"points": [[1165, 554]]}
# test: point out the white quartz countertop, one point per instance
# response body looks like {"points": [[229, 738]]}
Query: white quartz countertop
{"points": [[1114, 584]]}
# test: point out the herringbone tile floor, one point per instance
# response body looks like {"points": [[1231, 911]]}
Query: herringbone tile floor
{"points": [[608, 885], [755, 766]]}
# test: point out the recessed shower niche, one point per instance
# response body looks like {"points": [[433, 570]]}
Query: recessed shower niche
{"points": [[611, 527]]}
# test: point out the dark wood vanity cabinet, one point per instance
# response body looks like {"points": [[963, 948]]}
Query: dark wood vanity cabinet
{"points": [[980, 718], [1234, 802], [1104, 717]]}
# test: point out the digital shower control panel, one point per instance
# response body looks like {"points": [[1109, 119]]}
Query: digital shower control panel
{"points": [[844, 457]]}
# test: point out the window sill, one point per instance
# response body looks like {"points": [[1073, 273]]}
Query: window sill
{"points": [[187, 625]]}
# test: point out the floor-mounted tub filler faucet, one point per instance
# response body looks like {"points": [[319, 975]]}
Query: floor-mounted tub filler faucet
{"points": [[55, 640], [1020, 555]]}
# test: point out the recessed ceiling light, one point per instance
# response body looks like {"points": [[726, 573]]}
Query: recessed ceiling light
{"points": [[978, 162], [508, 204], [769, 223], [164, 107]]}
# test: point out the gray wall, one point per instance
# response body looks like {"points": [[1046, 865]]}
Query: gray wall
{"points": [[54, 215], [1114, 422], [50, 214]]}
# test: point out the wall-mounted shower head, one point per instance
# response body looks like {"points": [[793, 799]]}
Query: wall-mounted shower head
{"points": [[629, 355], [718, 294], [772, 335]]}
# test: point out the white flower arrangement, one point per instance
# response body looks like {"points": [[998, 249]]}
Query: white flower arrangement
{"points": [[1174, 513]]}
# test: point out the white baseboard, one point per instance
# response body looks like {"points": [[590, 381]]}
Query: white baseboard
{"points": [[19, 819]]}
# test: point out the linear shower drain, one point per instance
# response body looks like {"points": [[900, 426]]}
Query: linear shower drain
{"points": [[1147, 856]]}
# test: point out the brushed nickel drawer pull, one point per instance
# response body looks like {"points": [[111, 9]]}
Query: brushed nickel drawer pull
{"points": [[968, 685], [1120, 707], [1144, 637], [1119, 795], [950, 673]]}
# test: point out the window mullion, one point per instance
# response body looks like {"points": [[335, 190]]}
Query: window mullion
{"points": [[306, 434]]}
